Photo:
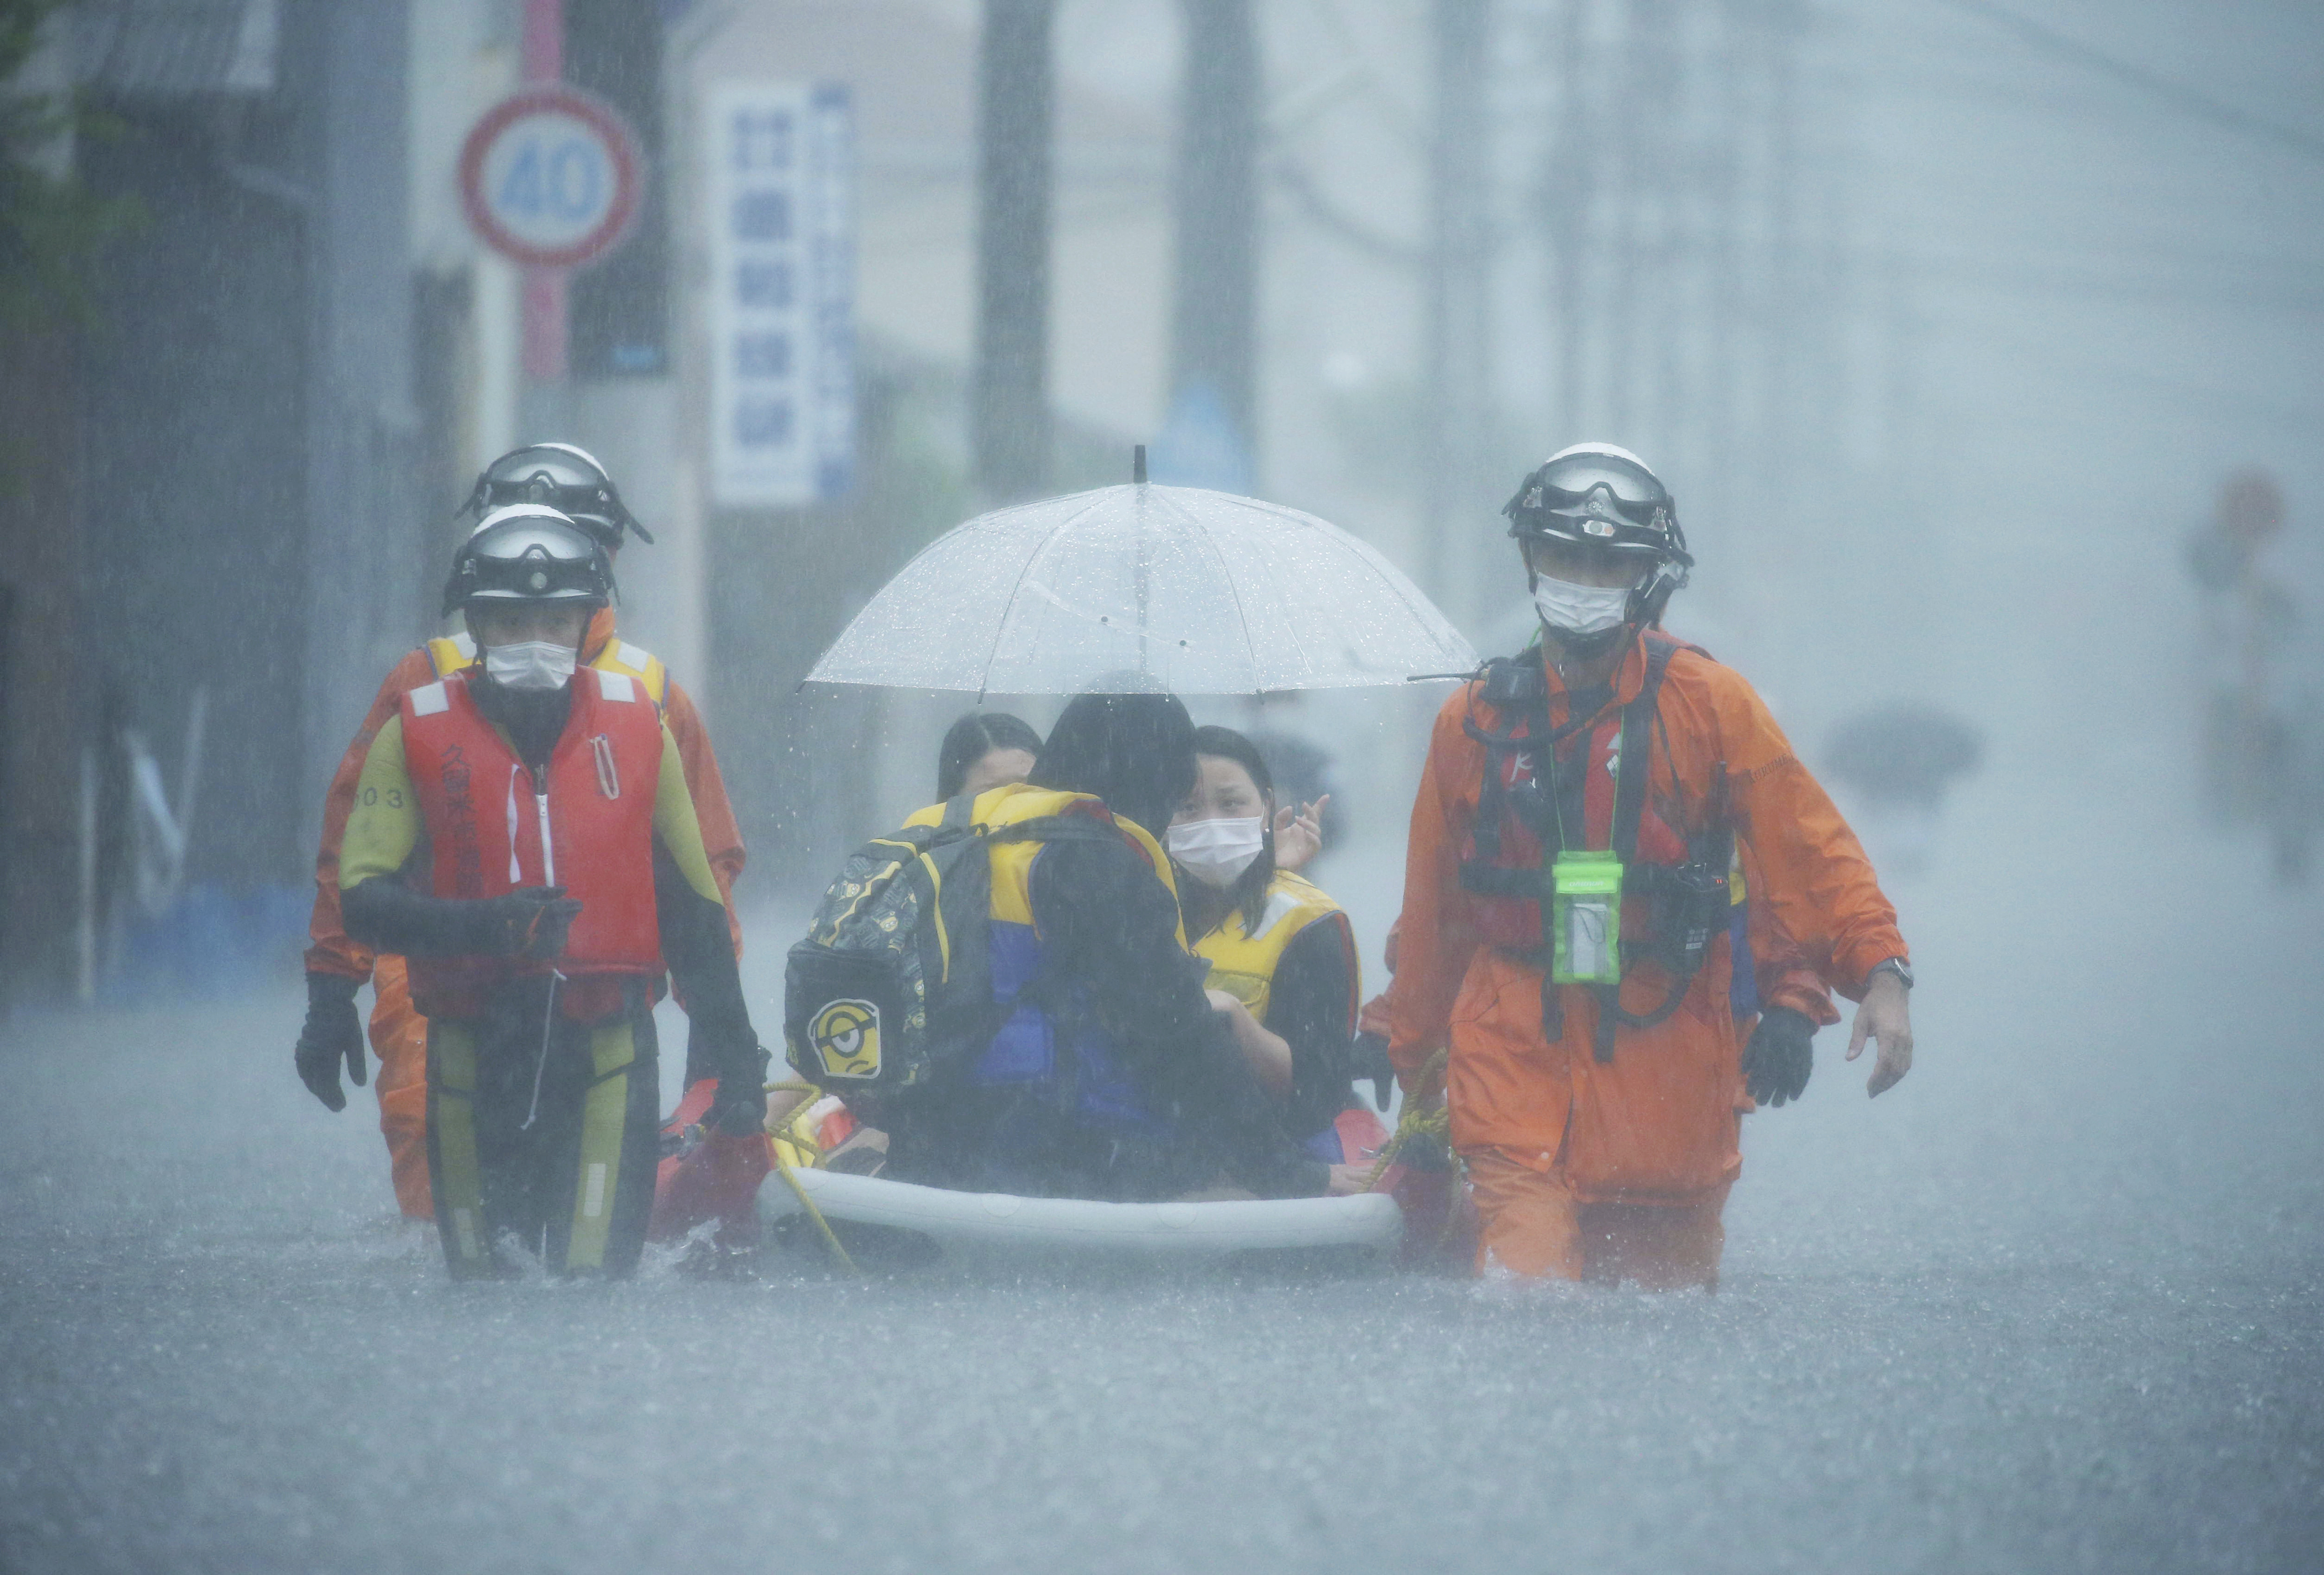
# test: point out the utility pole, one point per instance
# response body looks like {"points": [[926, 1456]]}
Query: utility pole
{"points": [[623, 400], [1784, 293], [1009, 410], [1216, 311], [618, 308], [1619, 306], [1663, 195], [1722, 244], [545, 290], [1567, 193], [1459, 372]]}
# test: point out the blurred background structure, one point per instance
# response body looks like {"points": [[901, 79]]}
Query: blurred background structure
{"points": [[1944, 320]]}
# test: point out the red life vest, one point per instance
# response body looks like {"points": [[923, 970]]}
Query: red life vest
{"points": [[491, 829], [1501, 855]]}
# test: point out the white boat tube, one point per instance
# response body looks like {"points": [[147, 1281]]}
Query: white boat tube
{"points": [[985, 1222]]}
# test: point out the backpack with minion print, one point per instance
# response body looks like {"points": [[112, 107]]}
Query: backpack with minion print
{"points": [[892, 986]]}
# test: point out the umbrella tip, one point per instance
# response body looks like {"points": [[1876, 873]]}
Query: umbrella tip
{"points": [[1138, 463]]}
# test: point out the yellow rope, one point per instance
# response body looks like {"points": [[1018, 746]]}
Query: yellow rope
{"points": [[794, 1127], [816, 1214], [795, 1133], [1427, 1113], [1421, 1119]]}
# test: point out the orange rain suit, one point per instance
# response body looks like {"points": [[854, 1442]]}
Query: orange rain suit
{"points": [[399, 1034], [1619, 1170]]}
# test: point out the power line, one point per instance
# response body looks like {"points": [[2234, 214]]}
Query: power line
{"points": [[2182, 97]]}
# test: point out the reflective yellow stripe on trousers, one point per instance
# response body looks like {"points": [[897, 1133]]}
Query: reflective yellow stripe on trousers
{"points": [[452, 1124], [605, 1116]]}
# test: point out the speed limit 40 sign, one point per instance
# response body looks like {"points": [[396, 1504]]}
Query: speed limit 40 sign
{"points": [[549, 177]]}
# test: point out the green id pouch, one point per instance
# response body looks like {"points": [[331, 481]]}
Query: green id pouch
{"points": [[1586, 919]]}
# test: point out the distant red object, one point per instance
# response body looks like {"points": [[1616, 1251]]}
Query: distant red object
{"points": [[711, 1175]]}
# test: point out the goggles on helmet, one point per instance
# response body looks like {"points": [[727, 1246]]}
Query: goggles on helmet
{"points": [[561, 477], [1600, 495], [529, 552]]}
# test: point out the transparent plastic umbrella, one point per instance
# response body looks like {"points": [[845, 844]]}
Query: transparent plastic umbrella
{"points": [[1145, 587]]}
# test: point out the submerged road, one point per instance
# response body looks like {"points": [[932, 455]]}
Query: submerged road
{"points": [[2057, 1305]]}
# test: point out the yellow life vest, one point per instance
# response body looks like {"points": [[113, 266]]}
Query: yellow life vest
{"points": [[1013, 804], [1244, 963], [453, 653]]}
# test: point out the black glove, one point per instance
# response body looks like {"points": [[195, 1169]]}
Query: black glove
{"points": [[333, 1033], [531, 922], [1779, 1057], [740, 1106], [1369, 1059]]}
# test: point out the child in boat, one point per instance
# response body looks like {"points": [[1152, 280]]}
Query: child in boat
{"points": [[1113, 1077], [1282, 955]]}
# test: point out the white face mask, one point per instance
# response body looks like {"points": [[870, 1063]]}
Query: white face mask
{"points": [[1215, 852], [1572, 609], [530, 664]]}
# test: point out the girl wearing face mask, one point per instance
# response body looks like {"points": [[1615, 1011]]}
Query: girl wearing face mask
{"points": [[1282, 955]]}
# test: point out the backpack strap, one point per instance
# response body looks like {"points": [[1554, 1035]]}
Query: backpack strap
{"points": [[1637, 744], [1516, 688], [1637, 767], [952, 849]]}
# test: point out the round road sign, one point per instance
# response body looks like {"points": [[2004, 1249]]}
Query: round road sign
{"points": [[549, 177]]}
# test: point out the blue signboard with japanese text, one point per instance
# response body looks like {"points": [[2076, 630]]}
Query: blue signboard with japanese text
{"points": [[778, 188]]}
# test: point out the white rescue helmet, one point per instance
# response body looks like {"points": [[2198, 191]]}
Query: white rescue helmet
{"points": [[530, 553], [1597, 494], [566, 478]]}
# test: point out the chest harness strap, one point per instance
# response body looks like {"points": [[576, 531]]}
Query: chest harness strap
{"points": [[1634, 765]]}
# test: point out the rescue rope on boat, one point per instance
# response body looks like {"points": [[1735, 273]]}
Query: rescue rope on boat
{"points": [[1426, 1115], [793, 1139]]}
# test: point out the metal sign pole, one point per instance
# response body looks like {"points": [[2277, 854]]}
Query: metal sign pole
{"points": [[544, 289]]}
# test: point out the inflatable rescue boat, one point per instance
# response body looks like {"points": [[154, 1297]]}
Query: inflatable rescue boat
{"points": [[812, 1176], [992, 1224]]}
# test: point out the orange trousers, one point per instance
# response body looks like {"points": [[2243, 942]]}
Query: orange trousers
{"points": [[400, 1034], [1531, 1224]]}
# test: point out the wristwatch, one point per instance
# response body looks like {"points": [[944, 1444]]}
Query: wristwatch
{"points": [[1896, 965]]}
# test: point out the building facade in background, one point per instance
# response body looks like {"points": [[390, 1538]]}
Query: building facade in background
{"points": [[217, 535]]}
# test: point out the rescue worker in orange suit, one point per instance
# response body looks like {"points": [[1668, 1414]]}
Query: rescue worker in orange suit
{"points": [[524, 835], [569, 480], [1567, 932]]}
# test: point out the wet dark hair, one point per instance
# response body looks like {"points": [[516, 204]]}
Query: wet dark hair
{"points": [[1134, 752], [974, 737], [1248, 893]]}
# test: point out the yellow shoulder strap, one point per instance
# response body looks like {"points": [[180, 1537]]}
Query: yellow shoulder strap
{"points": [[619, 656], [1006, 804], [1243, 964], [1014, 803], [1161, 862], [451, 653], [1307, 897]]}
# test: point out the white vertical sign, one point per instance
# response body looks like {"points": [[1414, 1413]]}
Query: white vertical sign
{"points": [[778, 176]]}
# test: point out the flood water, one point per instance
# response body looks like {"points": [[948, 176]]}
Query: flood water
{"points": [[2057, 1305]]}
